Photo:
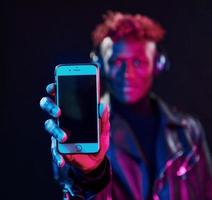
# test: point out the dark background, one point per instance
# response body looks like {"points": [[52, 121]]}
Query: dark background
{"points": [[38, 35]]}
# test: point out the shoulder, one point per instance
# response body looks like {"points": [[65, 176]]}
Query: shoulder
{"points": [[175, 117], [194, 127]]}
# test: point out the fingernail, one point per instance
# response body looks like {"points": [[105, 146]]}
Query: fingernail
{"points": [[101, 109]]}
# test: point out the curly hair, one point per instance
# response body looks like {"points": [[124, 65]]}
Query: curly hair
{"points": [[119, 26]]}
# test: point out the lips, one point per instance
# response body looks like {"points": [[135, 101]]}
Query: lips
{"points": [[126, 87], [122, 84], [129, 89]]}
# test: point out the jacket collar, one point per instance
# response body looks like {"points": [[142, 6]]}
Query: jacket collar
{"points": [[168, 146]]}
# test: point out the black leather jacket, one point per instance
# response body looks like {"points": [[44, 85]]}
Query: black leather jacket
{"points": [[183, 163]]}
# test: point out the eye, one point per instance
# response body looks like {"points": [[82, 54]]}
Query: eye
{"points": [[116, 62], [137, 62]]}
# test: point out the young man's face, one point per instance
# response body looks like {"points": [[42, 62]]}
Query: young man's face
{"points": [[129, 68]]}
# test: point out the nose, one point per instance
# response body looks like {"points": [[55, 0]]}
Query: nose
{"points": [[129, 69]]}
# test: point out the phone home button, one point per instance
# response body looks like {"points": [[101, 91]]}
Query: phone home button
{"points": [[78, 148]]}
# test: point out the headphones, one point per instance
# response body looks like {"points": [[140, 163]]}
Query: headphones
{"points": [[161, 61]]}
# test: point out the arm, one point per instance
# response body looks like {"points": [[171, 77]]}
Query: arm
{"points": [[204, 166], [84, 174], [79, 185]]}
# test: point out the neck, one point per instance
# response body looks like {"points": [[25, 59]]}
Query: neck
{"points": [[142, 107]]}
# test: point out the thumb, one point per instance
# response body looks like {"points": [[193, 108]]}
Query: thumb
{"points": [[102, 109], [105, 115]]}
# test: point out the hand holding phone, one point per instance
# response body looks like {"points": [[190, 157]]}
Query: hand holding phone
{"points": [[86, 161]]}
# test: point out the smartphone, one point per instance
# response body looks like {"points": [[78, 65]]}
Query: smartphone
{"points": [[77, 95]]}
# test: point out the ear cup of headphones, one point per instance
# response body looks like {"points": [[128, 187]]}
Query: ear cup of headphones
{"points": [[161, 62]]}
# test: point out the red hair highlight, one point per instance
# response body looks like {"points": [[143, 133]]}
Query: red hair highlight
{"points": [[121, 26]]}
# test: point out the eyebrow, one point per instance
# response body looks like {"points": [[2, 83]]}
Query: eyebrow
{"points": [[142, 57]]}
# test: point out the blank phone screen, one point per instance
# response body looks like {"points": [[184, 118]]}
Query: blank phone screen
{"points": [[78, 102]]}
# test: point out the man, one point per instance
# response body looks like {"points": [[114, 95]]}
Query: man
{"points": [[154, 152]]}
